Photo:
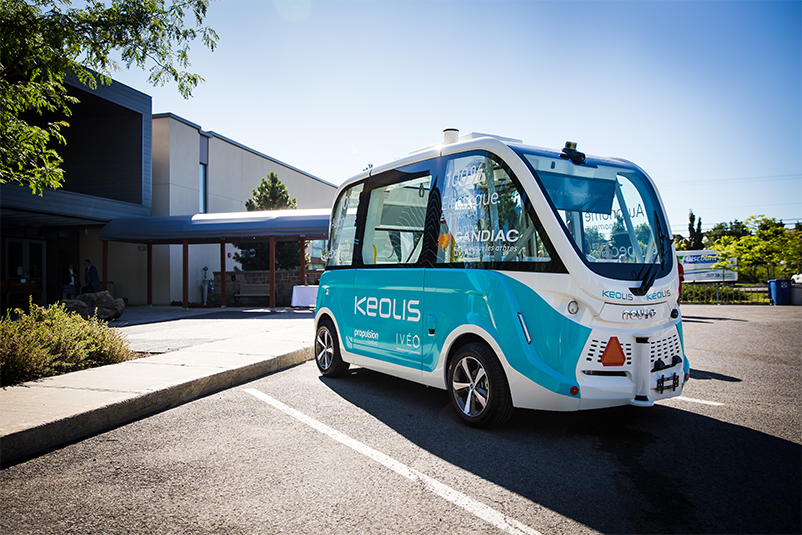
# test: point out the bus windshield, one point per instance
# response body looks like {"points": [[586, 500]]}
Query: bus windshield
{"points": [[610, 213]]}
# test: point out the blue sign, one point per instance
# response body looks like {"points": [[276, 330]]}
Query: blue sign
{"points": [[579, 194]]}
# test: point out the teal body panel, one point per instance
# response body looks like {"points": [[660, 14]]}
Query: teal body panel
{"points": [[492, 301], [386, 320], [378, 312], [686, 366], [336, 293], [404, 317], [557, 341]]}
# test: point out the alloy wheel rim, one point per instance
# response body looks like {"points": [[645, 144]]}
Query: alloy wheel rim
{"points": [[470, 386], [325, 349]]}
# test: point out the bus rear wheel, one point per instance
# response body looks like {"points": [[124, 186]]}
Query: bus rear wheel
{"points": [[327, 351], [478, 387]]}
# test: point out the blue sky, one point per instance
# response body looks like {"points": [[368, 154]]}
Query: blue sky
{"points": [[705, 96]]}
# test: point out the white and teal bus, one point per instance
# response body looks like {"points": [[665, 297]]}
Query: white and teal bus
{"points": [[508, 275]]}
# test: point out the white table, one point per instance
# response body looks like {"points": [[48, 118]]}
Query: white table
{"points": [[304, 296]]}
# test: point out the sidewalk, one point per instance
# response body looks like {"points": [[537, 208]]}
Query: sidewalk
{"points": [[193, 353]]}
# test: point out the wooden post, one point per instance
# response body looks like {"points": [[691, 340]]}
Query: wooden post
{"points": [[150, 273], [303, 260], [223, 273], [104, 284], [186, 275], [272, 273]]}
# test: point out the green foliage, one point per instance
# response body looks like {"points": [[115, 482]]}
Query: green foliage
{"points": [[723, 294], [695, 235], [595, 241], [50, 341], [768, 249], [43, 41], [271, 194], [736, 229]]}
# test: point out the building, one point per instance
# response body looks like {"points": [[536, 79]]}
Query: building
{"points": [[122, 161]]}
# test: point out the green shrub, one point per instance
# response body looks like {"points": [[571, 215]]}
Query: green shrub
{"points": [[50, 341]]}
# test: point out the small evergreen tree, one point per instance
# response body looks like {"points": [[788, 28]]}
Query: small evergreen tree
{"points": [[271, 194], [695, 235]]}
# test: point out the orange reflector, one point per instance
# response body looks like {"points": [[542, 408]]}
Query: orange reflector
{"points": [[613, 354]]}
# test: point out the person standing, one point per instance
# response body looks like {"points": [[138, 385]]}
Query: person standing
{"points": [[69, 282], [90, 278]]}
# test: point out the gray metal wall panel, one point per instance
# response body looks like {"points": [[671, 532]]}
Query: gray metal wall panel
{"points": [[65, 203], [109, 151]]}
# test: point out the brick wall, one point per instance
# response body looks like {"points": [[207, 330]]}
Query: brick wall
{"points": [[285, 280]]}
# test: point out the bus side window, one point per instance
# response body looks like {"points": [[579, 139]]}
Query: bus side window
{"points": [[483, 218], [395, 220], [342, 232]]}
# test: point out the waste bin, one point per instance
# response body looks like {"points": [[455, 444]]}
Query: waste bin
{"points": [[780, 291], [796, 294]]}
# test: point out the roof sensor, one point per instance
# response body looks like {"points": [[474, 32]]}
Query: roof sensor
{"points": [[570, 153]]}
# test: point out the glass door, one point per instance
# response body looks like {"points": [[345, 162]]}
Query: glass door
{"points": [[25, 261]]}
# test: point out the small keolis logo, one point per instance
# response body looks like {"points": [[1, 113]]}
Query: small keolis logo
{"points": [[662, 294], [624, 296], [399, 309]]}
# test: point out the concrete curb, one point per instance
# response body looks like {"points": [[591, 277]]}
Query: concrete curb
{"points": [[23, 444]]}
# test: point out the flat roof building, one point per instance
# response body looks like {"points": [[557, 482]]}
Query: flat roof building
{"points": [[122, 161]]}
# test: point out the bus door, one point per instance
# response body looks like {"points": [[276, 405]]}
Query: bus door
{"points": [[337, 283], [486, 226], [388, 289]]}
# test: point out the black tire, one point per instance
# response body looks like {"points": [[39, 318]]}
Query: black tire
{"points": [[478, 387], [327, 351]]}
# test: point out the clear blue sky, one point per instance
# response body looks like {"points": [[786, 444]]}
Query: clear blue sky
{"points": [[705, 96]]}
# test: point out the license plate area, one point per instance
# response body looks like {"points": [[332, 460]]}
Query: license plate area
{"points": [[667, 383]]}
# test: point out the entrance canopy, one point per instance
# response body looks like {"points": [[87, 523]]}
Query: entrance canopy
{"points": [[272, 226], [284, 225]]}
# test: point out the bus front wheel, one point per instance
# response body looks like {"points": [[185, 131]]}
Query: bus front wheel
{"points": [[327, 351], [478, 387]]}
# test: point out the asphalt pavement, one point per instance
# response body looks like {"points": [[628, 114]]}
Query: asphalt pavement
{"points": [[295, 452], [191, 353]]}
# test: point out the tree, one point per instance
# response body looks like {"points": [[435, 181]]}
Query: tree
{"points": [[768, 245], [271, 194], [42, 42], [736, 229], [695, 236]]}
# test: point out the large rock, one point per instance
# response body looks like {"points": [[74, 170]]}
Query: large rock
{"points": [[101, 304], [76, 305]]}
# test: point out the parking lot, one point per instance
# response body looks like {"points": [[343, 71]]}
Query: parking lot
{"points": [[293, 452]]}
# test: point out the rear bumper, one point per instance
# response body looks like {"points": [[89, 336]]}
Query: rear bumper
{"points": [[654, 368]]}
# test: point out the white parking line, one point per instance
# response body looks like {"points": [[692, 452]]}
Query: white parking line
{"points": [[488, 514], [702, 401]]}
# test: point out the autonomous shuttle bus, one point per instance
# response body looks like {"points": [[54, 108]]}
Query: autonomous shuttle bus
{"points": [[508, 275]]}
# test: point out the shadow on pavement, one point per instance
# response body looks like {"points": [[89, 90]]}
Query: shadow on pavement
{"points": [[700, 374], [622, 470], [705, 319]]}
